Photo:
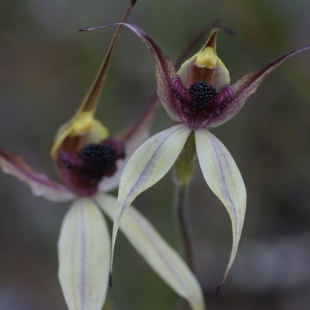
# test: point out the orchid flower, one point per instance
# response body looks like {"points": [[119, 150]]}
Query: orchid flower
{"points": [[90, 164], [197, 97]]}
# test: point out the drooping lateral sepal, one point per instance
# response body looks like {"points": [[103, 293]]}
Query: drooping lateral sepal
{"points": [[39, 183], [84, 256], [224, 179], [150, 162], [158, 254]]}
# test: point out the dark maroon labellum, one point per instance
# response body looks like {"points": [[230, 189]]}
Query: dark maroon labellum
{"points": [[200, 101], [98, 157], [82, 171], [203, 95]]}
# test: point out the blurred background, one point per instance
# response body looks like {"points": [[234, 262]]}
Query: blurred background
{"points": [[46, 68]]}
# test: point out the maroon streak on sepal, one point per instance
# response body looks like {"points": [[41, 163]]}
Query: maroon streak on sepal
{"points": [[247, 86], [39, 183], [164, 71]]}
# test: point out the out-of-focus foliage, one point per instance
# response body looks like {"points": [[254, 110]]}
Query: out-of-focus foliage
{"points": [[46, 68]]}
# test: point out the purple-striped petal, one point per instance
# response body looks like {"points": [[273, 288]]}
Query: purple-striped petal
{"points": [[151, 161], [157, 253], [224, 179], [84, 256]]}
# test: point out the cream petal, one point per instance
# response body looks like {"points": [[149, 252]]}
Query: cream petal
{"points": [[158, 254], [84, 256], [224, 179], [151, 161], [39, 183]]}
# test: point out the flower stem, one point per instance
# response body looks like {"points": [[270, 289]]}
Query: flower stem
{"points": [[185, 232], [183, 171], [109, 305], [184, 229]]}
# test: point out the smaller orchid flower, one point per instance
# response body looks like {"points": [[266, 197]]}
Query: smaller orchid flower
{"points": [[90, 164], [197, 97]]}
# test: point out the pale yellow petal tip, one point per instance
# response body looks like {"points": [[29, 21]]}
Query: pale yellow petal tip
{"points": [[82, 123], [97, 132], [85, 124], [206, 58]]}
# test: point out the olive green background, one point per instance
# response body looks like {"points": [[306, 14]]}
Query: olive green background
{"points": [[46, 67]]}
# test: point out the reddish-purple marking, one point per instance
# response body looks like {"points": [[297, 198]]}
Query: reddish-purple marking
{"points": [[82, 171], [200, 101]]}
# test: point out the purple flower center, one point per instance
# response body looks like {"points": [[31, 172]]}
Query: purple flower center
{"points": [[203, 95], [82, 170], [98, 157], [200, 102]]}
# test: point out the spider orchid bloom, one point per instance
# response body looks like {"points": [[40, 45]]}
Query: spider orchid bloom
{"points": [[90, 164], [197, 97]]}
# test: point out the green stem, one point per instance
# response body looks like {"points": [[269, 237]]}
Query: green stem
{"points": [[185, 232], [186, 240], [109, 305], [183, 171]]}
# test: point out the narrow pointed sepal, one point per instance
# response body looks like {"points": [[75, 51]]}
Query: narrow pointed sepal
{"points": [[39, 183], [247, 86], [151, 161], [164, 71], [158, 254], [84, 256], [224, 179], [83, 121]]}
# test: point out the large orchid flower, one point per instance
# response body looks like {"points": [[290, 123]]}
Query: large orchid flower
{"points": [[197, 97], [90, 164]]}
